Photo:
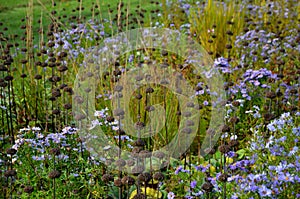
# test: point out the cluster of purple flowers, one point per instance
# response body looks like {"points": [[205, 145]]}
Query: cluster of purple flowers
{"points": [[256, 78]]}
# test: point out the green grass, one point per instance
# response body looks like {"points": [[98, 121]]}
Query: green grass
{"points": [[12, 13]]}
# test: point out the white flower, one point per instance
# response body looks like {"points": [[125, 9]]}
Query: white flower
{"points": [[25, 129], [211, 31], [3, 107], [36, 128]]}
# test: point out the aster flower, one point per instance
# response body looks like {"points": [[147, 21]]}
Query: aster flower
{"points": [[171, 195], [264, 191]]}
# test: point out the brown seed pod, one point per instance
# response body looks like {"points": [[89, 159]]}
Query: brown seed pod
{"points": [[118, 182], [55, 151], [234, 120], [145, 154], [236, 103], [233, 143], [11, 151], [140, 196], [10, 173], [127, 180], [139, 143], [269, 116], [145, 177], [224, 148], [223, 177], [225, 128], [106, 178], [120, 163], [54, 174], [207, 187], [138, 169], [28, 189], [271, 95], [159, 176], [67, 106]]}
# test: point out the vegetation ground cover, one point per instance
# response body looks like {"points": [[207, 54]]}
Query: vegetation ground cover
{"points": [[254, 45]]}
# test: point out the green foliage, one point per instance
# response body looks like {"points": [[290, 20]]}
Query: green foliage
{"points": [[214, 20]]}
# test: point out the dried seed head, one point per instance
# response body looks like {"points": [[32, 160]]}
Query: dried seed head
{"points": [[159, 176], [55, 151], [8, 78], [106, 178], [54, 174], [271, 95], [225, 128], [139, 143], [207, 187], [224, 148], [119, 112], [159, 154], [118, 182], [189, 123], [233, 143], [139, 78], [229, 32], [11, 151], [56, 112], [38, 77], [211, 132], [110, 119], [187, 114], [80, 117], [140, 196], [186, 130], [139, 125], [150, 108], [190, 104], [120, 132], [228, 46], [234, 120], [223, 177], [145, 154], [293, 91], [127, 180], [145, 177], [10, 173], [130, 163], [62, 68], [149, 90], [137, 169], [118, 88], [164, 53], [120, 163], [117, 72], [28, 189], [212, 151], [67, 106], [269, 116], [236, 103]]}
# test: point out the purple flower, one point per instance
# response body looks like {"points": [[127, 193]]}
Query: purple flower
{"points": [[171, 195], [264, 191], [205, 103], [286, 177], [193, 184], [179, 169]]}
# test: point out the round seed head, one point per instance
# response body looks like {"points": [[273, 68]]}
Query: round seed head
{"points": [[159, 176], [10, 173], [28, 189], [106, 178], [54, 174]]}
